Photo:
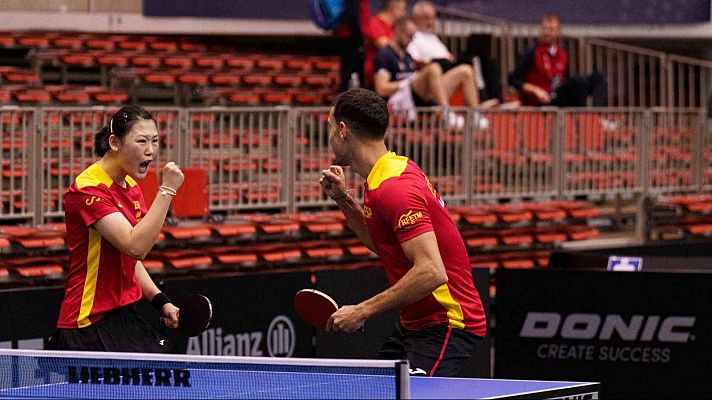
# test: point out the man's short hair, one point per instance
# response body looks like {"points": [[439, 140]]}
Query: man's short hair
{"points": [[419, 6], [400, 23], [388, 3], [547, 17], [364, 113]]}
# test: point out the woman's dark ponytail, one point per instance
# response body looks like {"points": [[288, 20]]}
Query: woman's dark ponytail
{"points": [[101, 141]]}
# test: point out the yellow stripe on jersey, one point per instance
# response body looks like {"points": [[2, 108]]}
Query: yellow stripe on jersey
{"points": [[454, 311], [130, 181], [94, 250], [93, 176], [388, 166]]}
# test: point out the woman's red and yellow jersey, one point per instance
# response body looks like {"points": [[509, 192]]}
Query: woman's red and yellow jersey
{"points": [[400, 204], [100, 278]]}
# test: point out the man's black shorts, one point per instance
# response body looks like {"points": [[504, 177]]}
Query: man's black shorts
{"points": [[432, 351], [121, 330]]}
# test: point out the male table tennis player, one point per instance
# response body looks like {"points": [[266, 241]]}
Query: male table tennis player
{"points": [[404, 221]]}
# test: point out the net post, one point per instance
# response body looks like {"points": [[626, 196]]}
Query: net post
{"points": [[402, 380]]}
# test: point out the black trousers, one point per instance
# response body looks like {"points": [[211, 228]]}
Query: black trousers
{"points": [[120, 330], [575, 91], [432, 351]]}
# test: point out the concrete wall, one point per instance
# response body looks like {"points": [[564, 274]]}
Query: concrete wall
{"points": [[122, 6]]}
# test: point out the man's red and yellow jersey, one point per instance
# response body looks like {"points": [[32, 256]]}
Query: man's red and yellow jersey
{"points": [[100, 277], [400, 204]]}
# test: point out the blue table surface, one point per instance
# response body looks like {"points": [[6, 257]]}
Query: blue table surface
{"points": [[458, 388], [261, 384]]}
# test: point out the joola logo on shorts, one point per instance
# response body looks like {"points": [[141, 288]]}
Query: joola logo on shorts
{"points": [[92, 200], [409, 219], [644, 328], [129, 376]]}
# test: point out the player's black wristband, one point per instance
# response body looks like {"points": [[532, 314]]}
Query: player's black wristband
{"points": [[159, 300]]}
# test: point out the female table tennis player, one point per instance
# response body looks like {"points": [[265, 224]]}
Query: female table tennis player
{"points": [[109, 232]]}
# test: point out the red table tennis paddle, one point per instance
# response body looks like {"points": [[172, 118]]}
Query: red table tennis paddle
{"points": [[314, 307], [194, 315]]}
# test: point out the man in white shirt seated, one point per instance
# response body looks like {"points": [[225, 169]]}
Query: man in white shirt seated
{"points": [[405, 87], [426, 47]]}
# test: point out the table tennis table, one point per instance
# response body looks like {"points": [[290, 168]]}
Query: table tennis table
{"points": [[51, 374]]}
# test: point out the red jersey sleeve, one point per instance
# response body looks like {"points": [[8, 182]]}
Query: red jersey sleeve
{"points": [[377, 28], [92, 203], [404, 207]]}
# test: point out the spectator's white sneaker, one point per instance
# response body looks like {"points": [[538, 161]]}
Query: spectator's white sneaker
{"points": [[482, 122], [608, 124], [450, 120]]}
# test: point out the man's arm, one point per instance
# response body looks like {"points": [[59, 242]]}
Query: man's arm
{"points": [[334, 185], [426, 275], [526, 61], [383, 84], [381, 42], [356, 220]]}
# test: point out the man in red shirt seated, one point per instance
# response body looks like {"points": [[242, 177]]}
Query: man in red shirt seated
{"points": [[542, 73], [380, 33]]}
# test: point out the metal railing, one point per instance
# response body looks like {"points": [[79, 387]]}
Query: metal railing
{"points": [[271, 158], [20, 191]]}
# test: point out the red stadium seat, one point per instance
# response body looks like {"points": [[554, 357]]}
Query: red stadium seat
{"points": [[70, 42], [162, 45], [19, 75], [194, 78], [73, 96], [114, 60], [131, 44], [515, 237], [146, 61], [7, 41], [100, 44], [33, 41], [33, 96], [178, 62], [257, 79], [209, 61], [113, 96], [482, 241], [225, 79], [83, 60], [244, 98], [270, 63], [242, 62]]}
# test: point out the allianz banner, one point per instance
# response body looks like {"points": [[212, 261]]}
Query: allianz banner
{"points": [[642, 335], [253, 315]]}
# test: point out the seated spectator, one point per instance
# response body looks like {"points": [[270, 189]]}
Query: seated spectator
{"points": [[426, 48], [380, 33], [542, 74], [397, 79]]}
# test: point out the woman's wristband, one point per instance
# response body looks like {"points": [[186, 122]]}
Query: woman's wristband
{"points": [[159, 300], [165, 190]]}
